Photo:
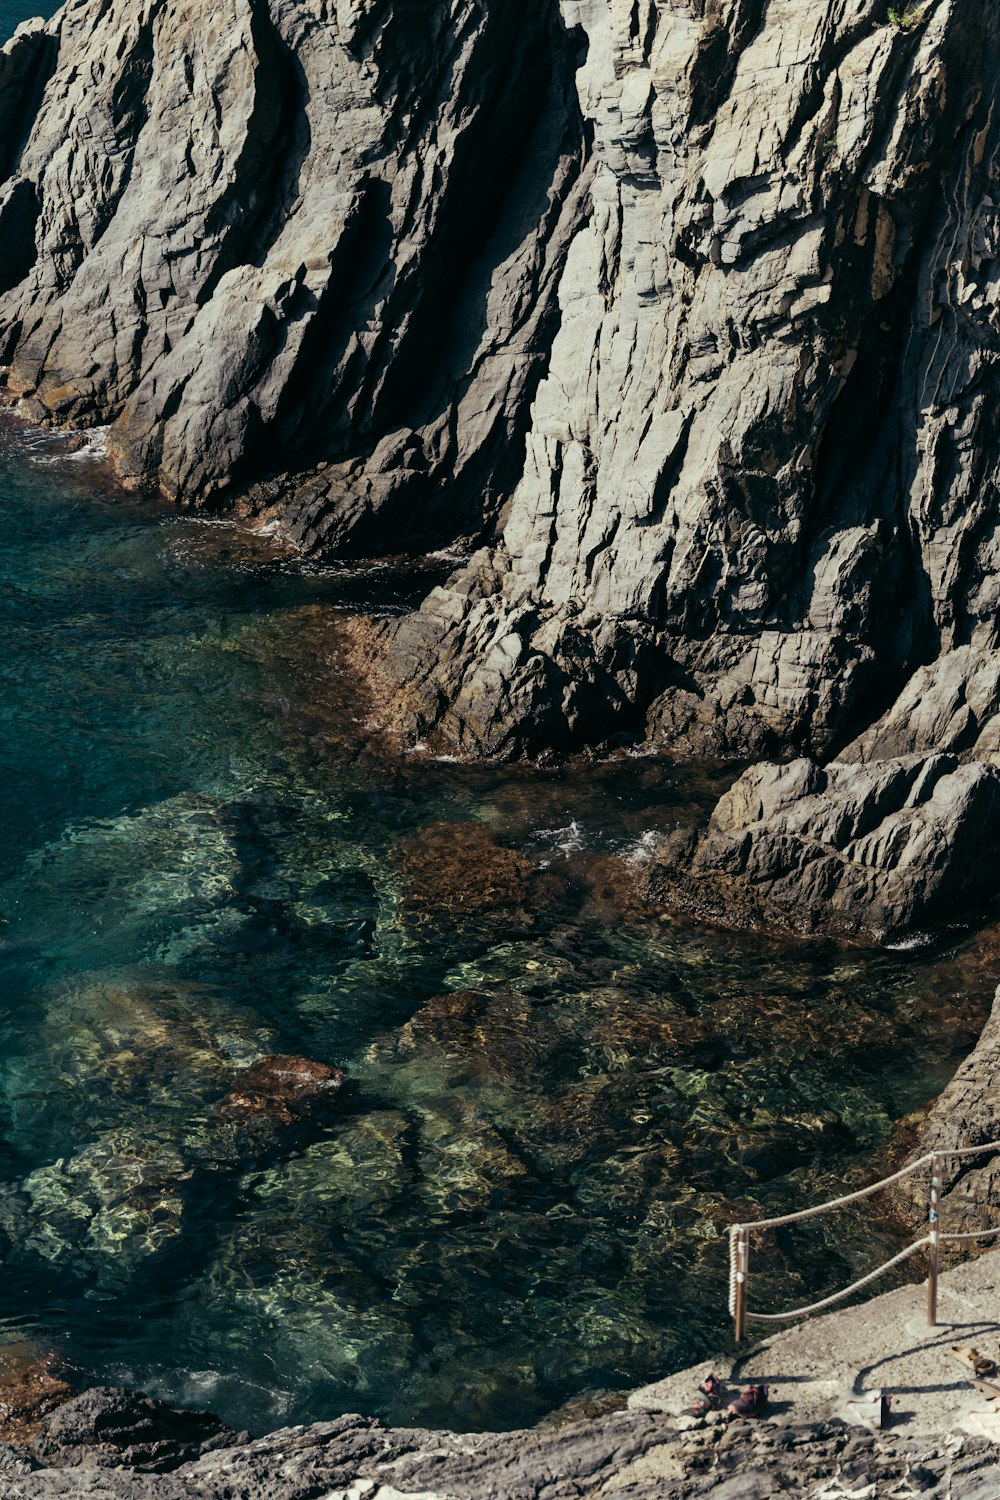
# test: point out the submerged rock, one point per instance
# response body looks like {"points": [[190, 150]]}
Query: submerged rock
{"points": [[116, 1204], [31, 1386], [456, 871], [128, 1052], [282, 1089], [275, 1096]]}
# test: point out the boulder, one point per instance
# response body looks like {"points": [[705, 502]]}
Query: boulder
{"points": [[110, 1427], [273, 1101], [870, 850]]}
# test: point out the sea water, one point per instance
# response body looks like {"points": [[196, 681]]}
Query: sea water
{"points": [[13, 12], [556, 1102]]}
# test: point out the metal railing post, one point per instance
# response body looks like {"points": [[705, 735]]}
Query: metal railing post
{"points": [[742, 1270], [932, 1248]]}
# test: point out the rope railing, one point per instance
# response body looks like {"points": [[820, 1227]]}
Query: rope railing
{"points": [[739, 1242]]}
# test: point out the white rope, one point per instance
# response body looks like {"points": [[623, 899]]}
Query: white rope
{"points": [[875, 1187], [801, 1312], [975, 1234], [733, 1269], [929, 1160], [948, 1152]]}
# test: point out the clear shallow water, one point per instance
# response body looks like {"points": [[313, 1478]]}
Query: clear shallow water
{"points": [[557, 1104]]}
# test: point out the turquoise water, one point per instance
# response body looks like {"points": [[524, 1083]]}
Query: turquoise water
{"points": [[556, 1102], [13, 12]]}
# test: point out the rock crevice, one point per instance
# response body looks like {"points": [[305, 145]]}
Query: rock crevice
{"points": [[682, 318]]}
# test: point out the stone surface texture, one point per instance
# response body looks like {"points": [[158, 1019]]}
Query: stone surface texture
{"points": [[864, 850], [637, 1453], [703, 294], [679, 319]]}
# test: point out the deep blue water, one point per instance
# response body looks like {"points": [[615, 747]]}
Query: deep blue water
{"points": [[13, 12]]}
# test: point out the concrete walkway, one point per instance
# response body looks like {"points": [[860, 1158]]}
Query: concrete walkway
{"points": [[883, 1343]]}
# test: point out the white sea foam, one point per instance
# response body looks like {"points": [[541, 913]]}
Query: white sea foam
{"points": [[564, 841], [638, 852], [907, 944], [93, 448]]}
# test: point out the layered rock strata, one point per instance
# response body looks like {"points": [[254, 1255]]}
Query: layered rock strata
{"points": [[684, 315], [104, 1443]]}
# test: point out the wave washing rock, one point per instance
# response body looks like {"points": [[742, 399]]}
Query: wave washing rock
{"points": [[867, 850]]}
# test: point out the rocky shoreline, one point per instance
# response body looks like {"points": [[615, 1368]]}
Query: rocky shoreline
{"points": [[114, 1445], [680, 324], [682, 331]]}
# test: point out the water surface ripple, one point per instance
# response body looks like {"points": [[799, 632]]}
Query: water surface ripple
{"points": [[556, 1102]]}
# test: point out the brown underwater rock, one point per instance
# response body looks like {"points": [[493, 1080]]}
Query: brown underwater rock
{"points": [[31, 1386], [281, 1090], [457, 870]]}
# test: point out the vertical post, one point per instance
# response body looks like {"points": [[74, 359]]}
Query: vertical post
{"points": [[932, 1248], [742, 1269]]}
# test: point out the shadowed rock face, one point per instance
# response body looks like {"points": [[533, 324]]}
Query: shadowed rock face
{"points": [[685, 315]]}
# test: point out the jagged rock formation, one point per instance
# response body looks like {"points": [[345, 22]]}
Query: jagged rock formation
{"points": [[867, 850], [260, 240], [114, 1435], [759, 483], [686, 315]]}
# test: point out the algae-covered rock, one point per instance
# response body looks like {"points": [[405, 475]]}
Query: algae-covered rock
{"points": [[32, 1384], [457, 871]]}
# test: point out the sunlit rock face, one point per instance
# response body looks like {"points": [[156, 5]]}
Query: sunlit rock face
{"points": [[679, 319], [309, 240]]}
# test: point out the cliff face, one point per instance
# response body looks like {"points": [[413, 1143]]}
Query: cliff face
{"points": [[687, 314], [308, 240], [759, 485]]}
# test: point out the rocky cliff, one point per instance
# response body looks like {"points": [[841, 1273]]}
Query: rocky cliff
{"points": [[684, 315]]}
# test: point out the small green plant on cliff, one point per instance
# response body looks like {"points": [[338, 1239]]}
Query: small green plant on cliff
{"points": [[903, 20]]}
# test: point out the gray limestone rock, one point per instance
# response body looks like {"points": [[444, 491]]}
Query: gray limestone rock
{"points": [[871, 849], [684, 316]]}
